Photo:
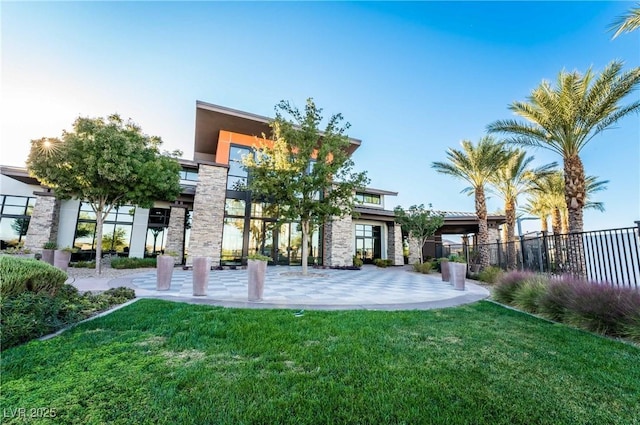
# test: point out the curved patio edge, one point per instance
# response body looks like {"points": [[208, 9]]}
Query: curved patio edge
{"points": [[471, 294]]}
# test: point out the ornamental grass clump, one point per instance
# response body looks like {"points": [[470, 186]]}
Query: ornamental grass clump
{"points": [[490, 274], [602, 308], [527, 296], [508, 284], [555, 301]]}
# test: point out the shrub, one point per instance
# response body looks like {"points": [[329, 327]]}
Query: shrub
{"points": [[603, 308], [508, 284], [383, 263], [527, 295], [22, 274], [31, 315], [424, 268], [83, 265], [490, 274], [357, 261], [50, 245], [133, 263]]}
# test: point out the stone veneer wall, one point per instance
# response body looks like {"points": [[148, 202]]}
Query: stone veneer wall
{"points": [[175, 232], [338, 242], [43, 226], [415, 250], [394, 244], [208, 214]]}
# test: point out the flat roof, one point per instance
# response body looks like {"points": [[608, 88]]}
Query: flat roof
{"points": [[211, 118]]}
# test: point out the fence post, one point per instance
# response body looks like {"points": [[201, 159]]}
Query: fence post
{"points": [[540, 255], [499, 246], [522, 250], [545, 246]]}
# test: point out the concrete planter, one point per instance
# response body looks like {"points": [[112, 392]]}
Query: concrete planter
{"points": [[256, 271], [164, 272], [201, 269], [61, 259], [444, 269], [458, 275], [47, 255]]}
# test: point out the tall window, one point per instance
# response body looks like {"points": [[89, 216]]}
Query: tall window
{"points": [[157, 229], [237, 176], [15, 214], [116, 231]]}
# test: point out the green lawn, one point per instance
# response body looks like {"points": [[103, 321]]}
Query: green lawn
{"points": [[159, 362]]}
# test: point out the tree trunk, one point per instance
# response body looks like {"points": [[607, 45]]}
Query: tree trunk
{"points": [[556, 221], [545, 224], [305, 246], [574, 192], [483, 229], [510, 214], [99, 225]]}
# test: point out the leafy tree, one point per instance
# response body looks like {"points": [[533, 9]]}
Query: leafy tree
{"points": [[565, 118], [513, 179], [308, 173], [628, 22], [419, 223], [107, 162], [476, 164]]}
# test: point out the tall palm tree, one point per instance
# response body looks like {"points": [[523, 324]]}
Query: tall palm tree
{"points": [[550, 190], [565, 118], [536, 206], [509, 182], [628, 22], [475, 164]]}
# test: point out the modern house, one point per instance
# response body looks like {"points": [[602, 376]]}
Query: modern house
{"points": [[211, 217]]}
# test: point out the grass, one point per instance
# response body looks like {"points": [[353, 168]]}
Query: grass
{"points": [[159, 362]]}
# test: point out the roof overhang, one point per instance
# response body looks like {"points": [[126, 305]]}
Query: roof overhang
{"points": [[19, 173], [210, 119]]}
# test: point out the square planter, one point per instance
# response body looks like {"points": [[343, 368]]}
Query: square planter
{"points": [[201, 269], [444, 269], [47, 255], [458, 275], [61, 259], [256, 271], [164, 272]]}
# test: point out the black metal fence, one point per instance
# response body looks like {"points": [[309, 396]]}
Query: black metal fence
{"points": [[611, 255]]}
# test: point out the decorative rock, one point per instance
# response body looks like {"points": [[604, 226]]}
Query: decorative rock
{"points": [[201, 269], [164, 272]]}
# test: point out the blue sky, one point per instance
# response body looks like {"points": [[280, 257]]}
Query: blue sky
{"points": [[413, 79]]}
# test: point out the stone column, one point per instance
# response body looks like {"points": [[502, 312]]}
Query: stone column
{"points": [[415, 251], [43, 226], [394, 244], [339, 241], [175, 232], [208, 213]]}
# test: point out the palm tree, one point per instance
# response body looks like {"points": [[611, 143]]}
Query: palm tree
{"points": [[476, 164], [550, 190], [509, 182], [627, 22], [567, 117], [537, 206]]}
